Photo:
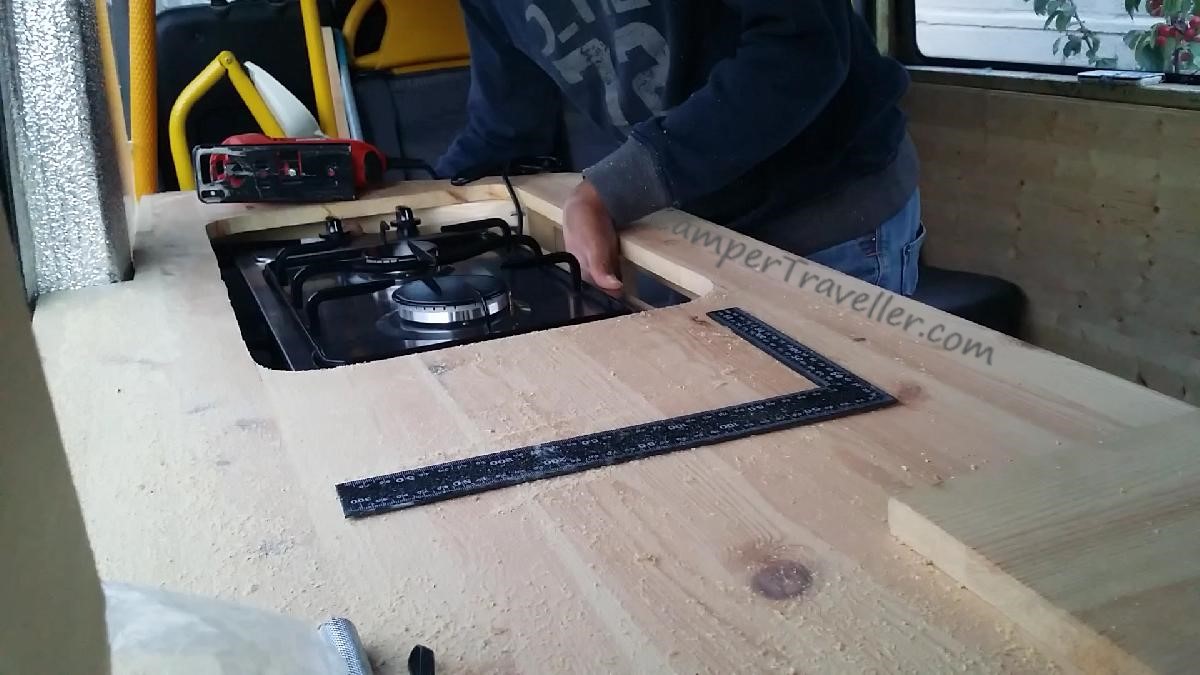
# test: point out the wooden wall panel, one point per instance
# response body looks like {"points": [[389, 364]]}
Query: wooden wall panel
{"points": [[1093, 208]]}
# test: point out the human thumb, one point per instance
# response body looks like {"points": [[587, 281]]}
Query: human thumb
{"points": [[608, 281]]}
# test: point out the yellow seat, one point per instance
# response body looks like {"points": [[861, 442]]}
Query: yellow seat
{"points": [[418, 35]]}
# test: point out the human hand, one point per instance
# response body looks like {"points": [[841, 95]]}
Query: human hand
{"points": [[590, 236]]}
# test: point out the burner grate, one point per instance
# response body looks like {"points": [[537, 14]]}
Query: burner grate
{"points": [[414, 279]]}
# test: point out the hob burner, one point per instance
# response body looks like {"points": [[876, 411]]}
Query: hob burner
{"points": [[454, 299], [406, 252]]}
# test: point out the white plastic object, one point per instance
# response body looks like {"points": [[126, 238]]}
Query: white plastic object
{"points": [[1122, 77], [154, 632], [293, 117]]}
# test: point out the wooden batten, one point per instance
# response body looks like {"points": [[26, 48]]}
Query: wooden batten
{"points": [[1091, 548]]}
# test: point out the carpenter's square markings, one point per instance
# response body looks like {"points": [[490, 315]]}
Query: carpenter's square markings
{"points": [[837, 393]]}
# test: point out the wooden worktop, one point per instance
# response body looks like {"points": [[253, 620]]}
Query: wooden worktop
{"points": [[200, 471]]}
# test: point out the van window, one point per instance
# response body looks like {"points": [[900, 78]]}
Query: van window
{"points": [[1153, 35]]}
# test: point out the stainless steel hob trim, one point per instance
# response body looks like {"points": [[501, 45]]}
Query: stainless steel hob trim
{"points": [[450, 314]]}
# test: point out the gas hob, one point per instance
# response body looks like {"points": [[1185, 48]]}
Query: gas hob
{"points": [[351, 297]]}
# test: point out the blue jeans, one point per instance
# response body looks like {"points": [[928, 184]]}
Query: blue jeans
{"points": [[886, 257]]}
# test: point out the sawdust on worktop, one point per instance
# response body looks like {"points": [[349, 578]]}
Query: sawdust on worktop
{"points": [[644, 567]]}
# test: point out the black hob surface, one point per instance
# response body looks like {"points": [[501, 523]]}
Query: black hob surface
{"points": [[347, 297]]}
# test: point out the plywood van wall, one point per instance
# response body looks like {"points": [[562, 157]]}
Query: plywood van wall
{"points": [[1092, 207]]}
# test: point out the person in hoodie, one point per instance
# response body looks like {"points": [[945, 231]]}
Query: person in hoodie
{"points": [[776, 118]]}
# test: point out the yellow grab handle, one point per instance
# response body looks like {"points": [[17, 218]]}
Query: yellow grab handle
{"points": [[250, 96], [116, 112], [143, 89], [181, 151], [317, 66], [181, 154]]}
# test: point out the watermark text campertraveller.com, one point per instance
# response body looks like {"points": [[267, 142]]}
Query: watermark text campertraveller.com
{"points": [[877, 305]]}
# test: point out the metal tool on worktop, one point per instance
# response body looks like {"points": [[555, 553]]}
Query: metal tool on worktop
{"points": [[342, 638], [838, 393], [258, 168]]}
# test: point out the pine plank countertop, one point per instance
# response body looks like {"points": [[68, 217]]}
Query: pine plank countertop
{"points": [[202, 472]]}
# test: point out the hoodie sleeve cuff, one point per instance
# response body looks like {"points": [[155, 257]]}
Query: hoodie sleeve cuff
{"points": [[629, 183]]}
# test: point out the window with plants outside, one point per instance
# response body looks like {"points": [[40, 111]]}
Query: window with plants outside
{"points": [[1160, 36]]}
